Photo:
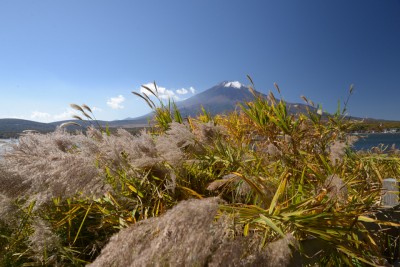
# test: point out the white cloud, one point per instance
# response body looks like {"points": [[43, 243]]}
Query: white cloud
{"points": [[14, 117], [115, 102], [66, 115], [162, 92], [182, 91], [40, 115], [47, 117]]}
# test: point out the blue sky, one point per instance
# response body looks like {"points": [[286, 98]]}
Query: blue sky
{"points": [[53, 53]]}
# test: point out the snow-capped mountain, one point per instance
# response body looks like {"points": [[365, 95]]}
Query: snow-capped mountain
{"points": [[221, 98], [234, 84]]}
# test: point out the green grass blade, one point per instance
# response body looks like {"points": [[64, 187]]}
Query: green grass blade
{"points": [[83, 221]]}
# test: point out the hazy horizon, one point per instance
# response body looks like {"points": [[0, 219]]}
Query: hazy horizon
{"points": [[54, 53]]}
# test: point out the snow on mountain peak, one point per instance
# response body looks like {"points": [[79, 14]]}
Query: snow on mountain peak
{"points": [[234, 84]]}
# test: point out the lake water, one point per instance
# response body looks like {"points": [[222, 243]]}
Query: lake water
{"points": [[368, 141], [5, 144]]}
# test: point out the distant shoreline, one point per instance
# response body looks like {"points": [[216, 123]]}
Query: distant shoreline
{"points": [[376, 139]]}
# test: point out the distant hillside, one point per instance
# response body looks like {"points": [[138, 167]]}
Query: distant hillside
{"points": [[141, 121], [9, 127]]}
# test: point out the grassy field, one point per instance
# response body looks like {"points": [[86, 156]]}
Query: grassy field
{"points": [[250, 188]]}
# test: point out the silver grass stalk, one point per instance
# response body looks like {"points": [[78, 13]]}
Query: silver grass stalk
{"points": [[172, 145], [188, 235], [44, 243], [184, 236]]}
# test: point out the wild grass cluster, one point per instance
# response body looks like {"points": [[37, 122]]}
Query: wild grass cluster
{"points": [[257, 187]]}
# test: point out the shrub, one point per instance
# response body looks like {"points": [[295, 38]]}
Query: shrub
{"points": [[281, 178]]}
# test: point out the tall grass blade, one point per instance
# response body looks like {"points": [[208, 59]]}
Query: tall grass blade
{"points": [[81, 225]]}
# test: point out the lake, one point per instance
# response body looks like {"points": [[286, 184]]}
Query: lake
{"points": [[367, 141], [5, 144]]}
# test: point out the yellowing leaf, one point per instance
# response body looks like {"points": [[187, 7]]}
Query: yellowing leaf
{"points": [[366, 219], [271, 224], [132, 188], [246, 229]]}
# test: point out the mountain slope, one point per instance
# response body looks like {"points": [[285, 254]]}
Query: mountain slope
{"points": [[222, 98], [18, 125]]}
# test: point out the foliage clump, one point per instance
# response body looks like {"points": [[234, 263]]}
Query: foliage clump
{"points": [[177, 238], [188, 235], [273, 187], [58, 164]]}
